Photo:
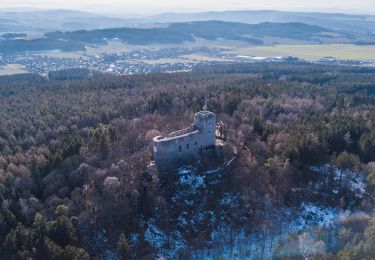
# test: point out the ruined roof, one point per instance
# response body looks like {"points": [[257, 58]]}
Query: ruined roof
{"points": [[177, 134], [192, 129], [205, 114]]}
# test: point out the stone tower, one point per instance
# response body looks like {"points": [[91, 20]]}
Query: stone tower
{"points": [[205, 122]]}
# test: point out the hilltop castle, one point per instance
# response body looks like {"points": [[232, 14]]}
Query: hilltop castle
{"points": [[186, 143]]}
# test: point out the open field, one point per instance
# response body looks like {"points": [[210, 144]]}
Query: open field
{"points": [[12, 69], [304, 51], [197, 57], [313, 52]]}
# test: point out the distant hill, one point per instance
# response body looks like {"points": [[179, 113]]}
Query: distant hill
{"points": [[173, 34], [180, 32], [43, 44], [34, 20], [334, 21], [29, 20], [14, 35]]}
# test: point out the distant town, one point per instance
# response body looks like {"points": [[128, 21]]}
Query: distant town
{"points": [[140, 61]]}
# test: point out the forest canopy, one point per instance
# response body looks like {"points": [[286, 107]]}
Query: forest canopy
{"points": [[74, 156]]}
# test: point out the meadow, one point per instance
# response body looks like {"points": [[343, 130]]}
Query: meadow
{"points": [[313, 52]]}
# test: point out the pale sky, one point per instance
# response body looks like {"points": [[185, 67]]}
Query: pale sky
{"points": [[158, 6]]}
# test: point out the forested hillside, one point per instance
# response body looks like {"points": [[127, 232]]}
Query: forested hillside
{"points": [[74, 156], [176, 33]]}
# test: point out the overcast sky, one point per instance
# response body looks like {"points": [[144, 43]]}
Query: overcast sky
{"points": [[158, 6]]}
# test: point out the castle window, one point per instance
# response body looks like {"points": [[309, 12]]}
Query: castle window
{"points": [[196, 143], [187, 146], [180, 148]]}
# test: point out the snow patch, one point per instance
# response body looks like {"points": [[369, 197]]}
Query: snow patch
{"points": [[354, 181], [167, 245]]}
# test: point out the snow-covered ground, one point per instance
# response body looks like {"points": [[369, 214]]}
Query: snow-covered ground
{"points": [[230, 244], [227, 242], [352, 180], [168, 245], [262, 246]]}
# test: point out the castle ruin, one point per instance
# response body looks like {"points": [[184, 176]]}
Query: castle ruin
{"points": [[186, 143]]}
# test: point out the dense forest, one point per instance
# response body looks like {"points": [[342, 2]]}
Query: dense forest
{"points": [[75, 181]]}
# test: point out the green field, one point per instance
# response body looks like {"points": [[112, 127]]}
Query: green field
{"points": [[312, 52]]}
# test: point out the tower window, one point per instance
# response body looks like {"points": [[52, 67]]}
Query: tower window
{"points": [[180, 148], [196, 143], [187, 146]]}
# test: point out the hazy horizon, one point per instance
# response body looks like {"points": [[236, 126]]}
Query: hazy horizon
{"points": [[126, 8]]}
